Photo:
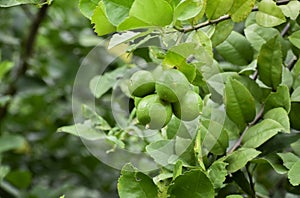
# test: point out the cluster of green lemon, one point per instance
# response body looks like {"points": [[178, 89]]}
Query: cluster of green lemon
{"points": [[158, 95]]}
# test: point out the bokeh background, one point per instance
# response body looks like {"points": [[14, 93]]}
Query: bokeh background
{"points": [[41, 51]]}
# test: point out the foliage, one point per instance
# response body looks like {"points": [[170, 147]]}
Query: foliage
{"points": [[241, 57]]}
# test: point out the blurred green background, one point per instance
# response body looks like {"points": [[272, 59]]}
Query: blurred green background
{"points": [[36, 80]]}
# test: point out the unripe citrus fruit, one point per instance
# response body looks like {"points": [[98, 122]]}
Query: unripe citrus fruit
{"points": [[141, 83], [154, 112], [172, 85], [189, 107]]}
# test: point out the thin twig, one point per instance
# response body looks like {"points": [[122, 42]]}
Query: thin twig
{"points": [[285, 29], [22, 67], [292, 63], [239, 141], [222, 18], [250, 180]]}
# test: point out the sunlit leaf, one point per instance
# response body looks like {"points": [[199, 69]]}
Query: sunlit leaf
{"points": [[295, 39], [294, 175], [87, 7], [217, 173], [222, 31], [117, 10], [102, 24], [239, 158], [279, 115], [260, 133], [292, 9], [269, 14], [218, 8], [241, 9], [258, 35]]}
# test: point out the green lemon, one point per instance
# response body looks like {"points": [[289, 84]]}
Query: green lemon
{"points": [[172, 85], [141, 83], [154, 112], [189, 107]]}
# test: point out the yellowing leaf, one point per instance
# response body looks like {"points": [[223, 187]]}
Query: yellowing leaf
{"points": [[241, 9]]}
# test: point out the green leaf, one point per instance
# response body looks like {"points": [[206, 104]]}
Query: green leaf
{"points": [[10, 3], [239, 103], [10, 142], [234, 196], [135, 184], [217, 82], [258, 35], [102, 24], [239, 158], [222, 31], [296, 147], [278, 143], [256, 91], [289, 159], [294, 175], [177, 169], [20, 179], [202, 38], [117, 10], [177, 57], [5, 67], [295, 39], [188, 9], [97, 120], [241, 9], [240, 179], [177, 128], [161, 151], [269, 14], [260, 133], [292, 9], [295, 97], [280, 98], [217, 173], [4, 170], [218, 8], [276, 163], [280, 116], [99, 85], [131, 23], [85, 131], [215, 137], [193, 183], [236, 49], [270, 63], [125, 37], [87, 7], [147, 13]]}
